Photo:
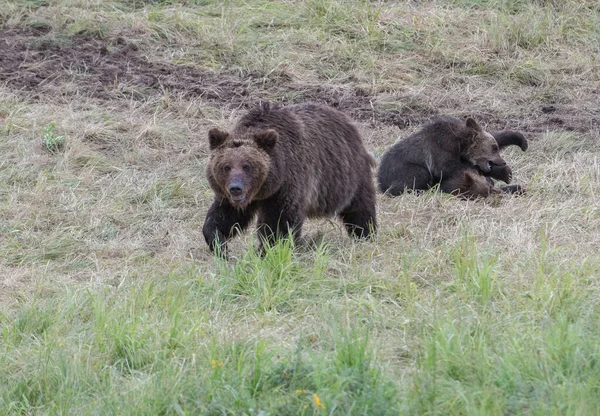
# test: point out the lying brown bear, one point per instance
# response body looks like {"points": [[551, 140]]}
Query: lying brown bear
{"points": [[459, 155], [286, 164], [471, 182]]}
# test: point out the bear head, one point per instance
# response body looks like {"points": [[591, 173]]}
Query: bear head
{"points": [[481, 148], [239, 166], [472, 186]]}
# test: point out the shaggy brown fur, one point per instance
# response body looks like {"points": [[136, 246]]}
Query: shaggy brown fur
{"points": [[450, 152], [460, 180], [504, 139], [468, 184], [284, 165]]}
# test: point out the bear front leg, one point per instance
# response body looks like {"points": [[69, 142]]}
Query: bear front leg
{"points": [[223, 222], [278, 220], [513, 189]]}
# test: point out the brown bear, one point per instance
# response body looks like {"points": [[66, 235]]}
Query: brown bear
{"points": [[446, 149], [504, 139], [471, 182], [286, 164]]}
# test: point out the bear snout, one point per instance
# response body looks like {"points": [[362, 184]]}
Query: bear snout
{"points": [[236, 189]]}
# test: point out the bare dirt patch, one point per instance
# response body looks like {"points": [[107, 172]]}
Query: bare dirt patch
{"points": [[35, 62], [109, 69]]}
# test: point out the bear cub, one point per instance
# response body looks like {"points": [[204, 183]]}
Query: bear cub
{"points": [[284, 165], [472, 183], [459, 155]]}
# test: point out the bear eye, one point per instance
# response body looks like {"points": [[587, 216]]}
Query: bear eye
{"points": [[495, 148], [246, 168], [226, 168]]}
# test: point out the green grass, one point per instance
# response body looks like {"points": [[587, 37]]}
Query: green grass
{"points": [[110, 302], [52, 142], [157, 344], [267, 334]]}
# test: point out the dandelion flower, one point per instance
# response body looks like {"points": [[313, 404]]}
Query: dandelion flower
{"points": [[318, 401]]}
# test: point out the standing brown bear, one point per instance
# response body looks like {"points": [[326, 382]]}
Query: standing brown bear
{"points": [[458, 155], [286, 164]]}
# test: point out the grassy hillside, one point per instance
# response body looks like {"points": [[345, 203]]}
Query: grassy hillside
{"points": [[111, 304]]}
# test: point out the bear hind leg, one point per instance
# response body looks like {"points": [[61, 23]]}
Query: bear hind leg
{"points": [[359, 216], [409, 178]]}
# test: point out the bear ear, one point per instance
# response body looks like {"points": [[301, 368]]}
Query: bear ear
{"points": [[216, 138], [266, 139], [472, 124]]}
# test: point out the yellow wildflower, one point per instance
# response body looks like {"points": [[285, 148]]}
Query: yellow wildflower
{"points": [[62, 344], [301, 391], [214, 363], [318, 401]]}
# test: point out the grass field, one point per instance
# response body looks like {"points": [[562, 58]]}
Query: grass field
{"points": [[111, 304]]}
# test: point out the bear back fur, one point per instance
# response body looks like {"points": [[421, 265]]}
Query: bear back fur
{"points": [[318, 159]]}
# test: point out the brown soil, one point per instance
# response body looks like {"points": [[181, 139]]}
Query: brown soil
{"points": [[109, 69], [37, 64]]}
